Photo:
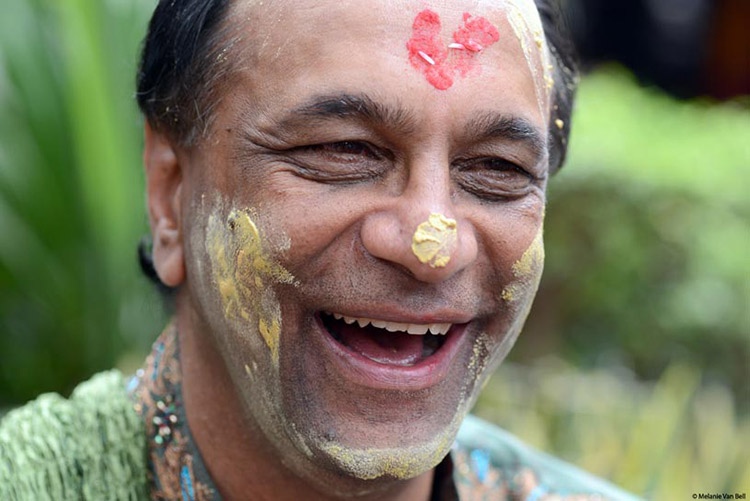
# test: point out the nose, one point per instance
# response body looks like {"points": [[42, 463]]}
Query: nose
{"points": [[420, 229]]}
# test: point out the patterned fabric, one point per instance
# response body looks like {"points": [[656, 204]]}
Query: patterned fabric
{"points": [[485, 464], [175, 468]]}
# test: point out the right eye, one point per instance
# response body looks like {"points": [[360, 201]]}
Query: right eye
{"points": [[339, 161]]}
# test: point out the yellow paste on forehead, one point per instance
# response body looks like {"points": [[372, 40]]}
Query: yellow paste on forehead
{"points": [[523, 17], [435, 240], [243, 271]]}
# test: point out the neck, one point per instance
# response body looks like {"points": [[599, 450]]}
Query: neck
{"points": [[241, 461]]}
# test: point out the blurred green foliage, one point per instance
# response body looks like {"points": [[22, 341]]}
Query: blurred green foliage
{"points": [[648, 237], [644, 302], [71, 193], [664, 440]]}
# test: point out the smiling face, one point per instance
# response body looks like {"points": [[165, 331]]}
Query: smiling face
{"points": [[362, 244]]}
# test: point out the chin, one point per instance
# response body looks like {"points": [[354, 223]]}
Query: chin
{"points": [[349, 423]]}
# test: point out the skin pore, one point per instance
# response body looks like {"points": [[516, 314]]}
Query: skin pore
{"points": [[329, 159]]}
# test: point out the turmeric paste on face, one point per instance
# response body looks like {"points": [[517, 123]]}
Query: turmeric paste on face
{"points": [[244, 272], [435, 240]]}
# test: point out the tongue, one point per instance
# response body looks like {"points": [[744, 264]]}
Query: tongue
{"points": [[393, 348]]}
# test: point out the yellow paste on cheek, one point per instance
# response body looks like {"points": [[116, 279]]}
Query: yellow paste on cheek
{"points": [[526, 269], [243, 272], [435, 240]]}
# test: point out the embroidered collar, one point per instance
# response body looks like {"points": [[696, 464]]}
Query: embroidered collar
{"points": [[175, 467]]}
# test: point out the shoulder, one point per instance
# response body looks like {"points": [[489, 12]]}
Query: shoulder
{"points": [[90, 446], [485, 453]]}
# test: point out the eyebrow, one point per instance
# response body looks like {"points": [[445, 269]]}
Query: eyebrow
{"points": [[512, 128], [351, 106]]}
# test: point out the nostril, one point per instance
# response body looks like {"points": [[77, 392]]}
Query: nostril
{"points": [[404, 269]]}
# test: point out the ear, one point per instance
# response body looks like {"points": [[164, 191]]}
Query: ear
{"points": [[163, 191]]}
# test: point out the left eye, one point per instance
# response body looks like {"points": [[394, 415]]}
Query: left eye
{"points": [[494, 178]]}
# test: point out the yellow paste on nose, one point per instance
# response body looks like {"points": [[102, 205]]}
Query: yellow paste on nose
{"points": [[435, 240], [243, 272]]}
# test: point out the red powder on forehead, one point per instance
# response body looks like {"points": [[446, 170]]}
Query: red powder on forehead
{"points": [[425, 38], [476, 34], [429, 55]]}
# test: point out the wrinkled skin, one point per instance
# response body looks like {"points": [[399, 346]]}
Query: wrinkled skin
{"points": [[336, 201]]}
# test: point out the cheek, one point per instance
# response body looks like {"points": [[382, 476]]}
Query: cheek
{"points": [[526, 273], [244, 273], [320, 226], [514, 302], [512, 239], [515, 249]]}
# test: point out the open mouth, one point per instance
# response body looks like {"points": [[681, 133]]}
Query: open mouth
{"points": [[388, 343]]}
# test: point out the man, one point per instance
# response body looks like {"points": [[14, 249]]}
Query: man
{"points": [[346, 202]]}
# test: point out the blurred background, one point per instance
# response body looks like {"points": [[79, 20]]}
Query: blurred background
{"points": [[634, 362]]}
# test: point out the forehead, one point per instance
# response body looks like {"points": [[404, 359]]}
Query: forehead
{"points": [[289, 51]]}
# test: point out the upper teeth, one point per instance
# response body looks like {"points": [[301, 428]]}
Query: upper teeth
{"points": [[417, 329]]}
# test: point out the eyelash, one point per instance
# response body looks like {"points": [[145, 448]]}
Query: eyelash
{"points": [[494, 179], [336, 147], [504, 165]]}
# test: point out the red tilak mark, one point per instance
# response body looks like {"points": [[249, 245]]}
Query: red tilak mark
{"points": [[475, 35], [425, 38]]}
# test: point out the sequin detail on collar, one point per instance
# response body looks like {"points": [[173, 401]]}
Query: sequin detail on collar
{"points": [[176, 470]]}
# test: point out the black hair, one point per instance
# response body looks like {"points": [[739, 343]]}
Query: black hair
{"points": [[565, 74], [180, 66], [181, 69]]}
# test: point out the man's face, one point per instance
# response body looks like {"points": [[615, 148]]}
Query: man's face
{"points": [[334, 142]]}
